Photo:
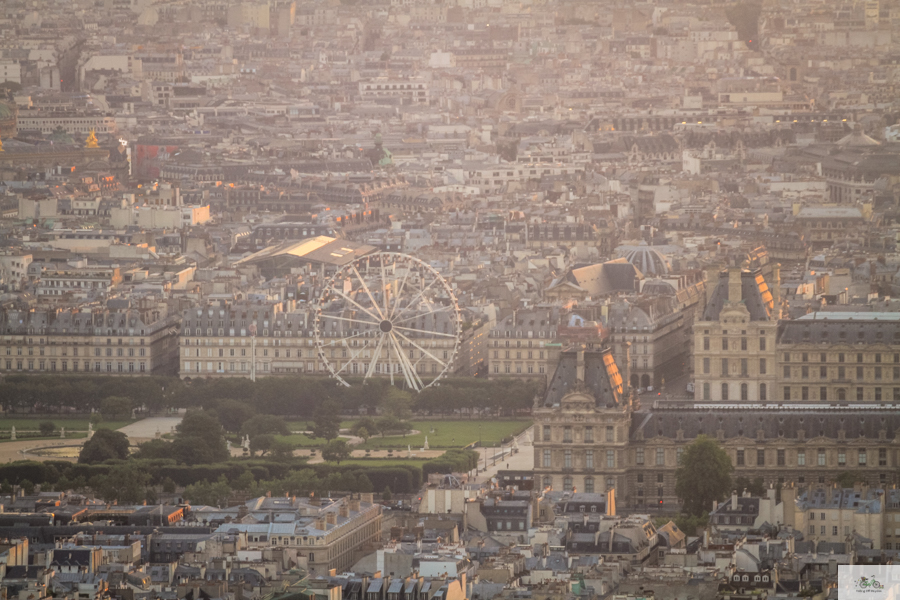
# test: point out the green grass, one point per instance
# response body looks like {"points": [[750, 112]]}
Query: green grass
{"points": [[74, 424], [301, 440], [450, 434], [385, 462]]}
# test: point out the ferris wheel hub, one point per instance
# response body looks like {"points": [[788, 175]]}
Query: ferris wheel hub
{"points": [[385, 326]]}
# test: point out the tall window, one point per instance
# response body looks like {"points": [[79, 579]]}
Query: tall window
{"points": [[706, 365], [821, 457], [744, 393], [547, 458], [610, 433], [589, 485], [567, 459], [862, 457], [546, 433], [660, 456], [724, 367], [706, 391], [611, 459], [639, 456], [760, 458], [724, 391], [801, 458], [762, 392], [780, 458], [567, 434], [744, 367], [588, 435], [842, 457], [589, 459], [762, 366], [739, 459], [567, 484]]}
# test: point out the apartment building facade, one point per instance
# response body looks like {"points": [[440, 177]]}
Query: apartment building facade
{"points": [[123, 338], [524, 344]]}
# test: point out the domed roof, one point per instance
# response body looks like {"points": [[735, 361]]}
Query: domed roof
{"points": [[658, 287], [857, 138], [649, 260]]}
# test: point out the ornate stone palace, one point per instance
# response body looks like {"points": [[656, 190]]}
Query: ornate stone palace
{"points": [[590, 435]]}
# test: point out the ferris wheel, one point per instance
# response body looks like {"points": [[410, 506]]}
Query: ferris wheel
{"points": [[388, 315]]}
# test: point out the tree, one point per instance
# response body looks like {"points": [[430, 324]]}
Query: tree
{"points": [[46, 428], [199, 439], [282, 450], [704, 476], [261, 424], [168, 485], [105, 445], [690, 523], [364, 484], [757, 487], [367, 423], [206, 492], [336, 451], [233, 414], [27, 486], [115, 408], [363, 433], [327, 420], [125, 483], [261, 443], [155, 449], [847, 479], [388, 423], [386, 494]]}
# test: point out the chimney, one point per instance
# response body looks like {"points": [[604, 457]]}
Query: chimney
{"points": [[331, 518], [344, 510], [354, 504], [734, 284], [320, 524], [734, 502], [367, 497]]}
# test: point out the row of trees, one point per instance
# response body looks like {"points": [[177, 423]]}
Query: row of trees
{"points": [[298, 396]]}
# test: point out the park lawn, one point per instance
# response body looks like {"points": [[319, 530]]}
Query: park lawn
{"points": [[449, 434], [73, 424], [384, 462], [301, 440], [306, 425]]}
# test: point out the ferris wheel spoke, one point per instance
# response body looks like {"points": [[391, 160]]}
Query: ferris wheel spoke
{"points": [[366, 289], [384, 290], [411, 376], [399, 293], [421, 349], [375, 356], [350, 360], [417, 296], [430, 312], [410, 329], [357, 304], [337, 318]]}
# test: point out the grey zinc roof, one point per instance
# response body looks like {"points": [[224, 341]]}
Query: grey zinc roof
{"points": [[776, 423], [842, 328], [754, 293], [602, 378]]}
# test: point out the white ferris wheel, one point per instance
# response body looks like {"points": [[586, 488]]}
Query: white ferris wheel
{"points": [[388, 315]]}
